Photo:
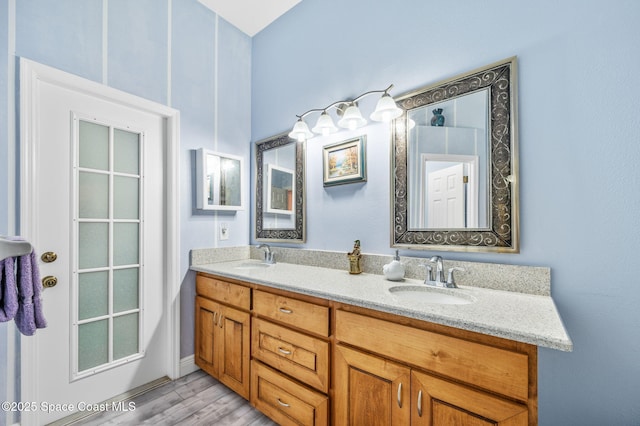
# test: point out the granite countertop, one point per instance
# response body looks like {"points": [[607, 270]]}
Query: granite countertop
{"points": [[516, 316]]}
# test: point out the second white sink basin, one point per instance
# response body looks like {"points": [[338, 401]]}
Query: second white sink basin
{"points": [[252, 265], [427, 294]]}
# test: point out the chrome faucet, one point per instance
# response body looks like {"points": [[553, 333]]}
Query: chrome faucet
{"points": [[436, 277], [269, 256], [439, 278]]}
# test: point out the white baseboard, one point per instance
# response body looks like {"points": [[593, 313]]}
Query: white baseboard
{"points": [[188, 365]]}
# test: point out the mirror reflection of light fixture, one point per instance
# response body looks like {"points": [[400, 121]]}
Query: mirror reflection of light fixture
{"points": [[386, 110]]}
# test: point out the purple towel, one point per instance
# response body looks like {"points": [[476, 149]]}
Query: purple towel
{"points": [[29, 316], [8, 290]]}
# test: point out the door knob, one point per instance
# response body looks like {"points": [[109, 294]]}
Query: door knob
{"points": [[49, 281], [49, 257]]}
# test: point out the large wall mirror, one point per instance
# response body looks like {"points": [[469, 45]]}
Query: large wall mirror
{"points": [[455, 164], [280, 190]]}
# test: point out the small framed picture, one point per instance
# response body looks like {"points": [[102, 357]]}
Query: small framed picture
{"points": [[345, 162]]}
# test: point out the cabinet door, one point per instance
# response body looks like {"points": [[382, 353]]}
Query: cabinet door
{"points": [[369, 390], [206, 338], [234, 354], [437, 402]]}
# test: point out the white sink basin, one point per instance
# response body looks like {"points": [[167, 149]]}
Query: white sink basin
{"points": [[427, 294], [252, 265]]}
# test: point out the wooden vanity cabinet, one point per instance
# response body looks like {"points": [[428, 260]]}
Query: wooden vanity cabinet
{"points": [[290, 365], [304, 360], [392, 374], [222, 332]]}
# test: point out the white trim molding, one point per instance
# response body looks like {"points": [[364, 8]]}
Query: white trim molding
{"points": [[188, 365]]}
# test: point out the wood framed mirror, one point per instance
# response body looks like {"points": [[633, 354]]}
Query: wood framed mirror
{"points": [[455, 164], [280, 194]]}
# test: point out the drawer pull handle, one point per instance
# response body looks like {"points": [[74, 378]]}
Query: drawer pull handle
{"points": [[420, 403], [215, 318], [400, 395], [220, 321], [284, 404], [284, 351], [286, 311]]}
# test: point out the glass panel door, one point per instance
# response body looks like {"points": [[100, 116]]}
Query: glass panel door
{"points": [[106, 288]]}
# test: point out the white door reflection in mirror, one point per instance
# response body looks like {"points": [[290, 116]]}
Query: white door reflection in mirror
{"points": [[445, 196]]}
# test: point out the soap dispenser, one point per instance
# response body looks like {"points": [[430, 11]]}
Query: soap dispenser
{"points": [[394, 271]]}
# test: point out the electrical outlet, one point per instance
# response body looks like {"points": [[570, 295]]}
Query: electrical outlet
{"points": [[224, 231]]}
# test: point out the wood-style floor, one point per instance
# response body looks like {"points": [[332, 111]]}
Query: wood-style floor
{"points": [[196, 399]]}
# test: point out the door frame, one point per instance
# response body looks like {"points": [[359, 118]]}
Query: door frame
{"points": [[31, 74]]}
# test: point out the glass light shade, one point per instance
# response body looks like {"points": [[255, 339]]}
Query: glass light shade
{"points": [[386, 109], [325, 125], [300, 131], [352, 118]]}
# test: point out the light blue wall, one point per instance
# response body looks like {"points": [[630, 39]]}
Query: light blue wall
{"points": [[579, 154], [202, 67], [176, 53]]}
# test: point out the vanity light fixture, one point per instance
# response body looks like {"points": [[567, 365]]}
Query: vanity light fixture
{"points": [[386, 110]]}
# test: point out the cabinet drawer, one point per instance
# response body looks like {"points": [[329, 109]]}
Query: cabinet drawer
{"points": [[303, 357], [225, 292], [284, 401], [303, 315], [491, 368]]}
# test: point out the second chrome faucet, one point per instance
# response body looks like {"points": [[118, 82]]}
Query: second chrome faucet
{"points": [[269, 256], [436, 277]]}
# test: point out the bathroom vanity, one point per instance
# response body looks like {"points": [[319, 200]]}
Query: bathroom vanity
{"points": [[314, 345]]}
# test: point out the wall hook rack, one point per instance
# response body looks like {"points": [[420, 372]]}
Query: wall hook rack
{"points": [[11, 247]]}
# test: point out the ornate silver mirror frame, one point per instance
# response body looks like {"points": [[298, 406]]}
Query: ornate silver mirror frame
{"points": [[502, 231], [282, 224]]}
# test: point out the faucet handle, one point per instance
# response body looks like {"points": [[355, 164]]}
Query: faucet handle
{"points": [[271, 257], [451, 282], [429, 271]]}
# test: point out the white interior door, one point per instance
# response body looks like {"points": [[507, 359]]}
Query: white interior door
{"points": [[99, 182], [445, 197]]}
